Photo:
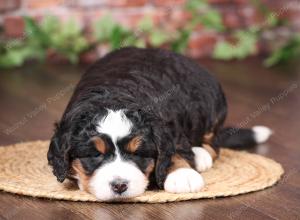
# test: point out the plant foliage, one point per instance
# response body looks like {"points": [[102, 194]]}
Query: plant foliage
{"points": [[244, 46], [67, 39], [63, 38]]}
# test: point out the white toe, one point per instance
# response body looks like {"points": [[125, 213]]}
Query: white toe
{"points": [[184, 180], [203, 160], [261, 133]]}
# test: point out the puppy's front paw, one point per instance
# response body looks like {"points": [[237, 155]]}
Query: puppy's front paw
{"points": [[203, 160], [184, 180]]}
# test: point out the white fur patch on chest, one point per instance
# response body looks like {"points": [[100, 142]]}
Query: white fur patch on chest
{"points": [[115, 124]]}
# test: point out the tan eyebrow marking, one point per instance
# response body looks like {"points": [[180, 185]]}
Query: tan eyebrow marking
{"points": [[99, 144], [134, 144]]}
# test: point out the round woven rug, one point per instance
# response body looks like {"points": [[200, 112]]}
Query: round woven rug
{"points": [[24, 170]]}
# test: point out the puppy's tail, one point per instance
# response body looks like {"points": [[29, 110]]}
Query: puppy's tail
{"points": [[241, 138]]}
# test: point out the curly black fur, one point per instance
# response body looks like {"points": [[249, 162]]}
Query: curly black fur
{"points": [[170, 99]]}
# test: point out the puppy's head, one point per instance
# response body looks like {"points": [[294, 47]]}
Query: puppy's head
{"points": [[115, 158]]}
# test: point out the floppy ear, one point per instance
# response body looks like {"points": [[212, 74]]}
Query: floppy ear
{"points": [[166, 149], [58, 156]]}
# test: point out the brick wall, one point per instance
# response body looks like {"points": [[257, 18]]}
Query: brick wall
{"points": [[235, 13]]}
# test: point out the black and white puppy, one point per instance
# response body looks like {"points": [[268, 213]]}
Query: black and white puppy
{"points": [[141, 117]]}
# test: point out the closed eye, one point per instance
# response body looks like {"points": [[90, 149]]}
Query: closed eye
{"points": [[145, 151], [91, 163]]}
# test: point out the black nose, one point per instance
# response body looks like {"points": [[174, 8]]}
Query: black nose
{"points": [[119, 186]]}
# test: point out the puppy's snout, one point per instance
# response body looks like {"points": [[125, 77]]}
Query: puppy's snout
{"points": [[119, 186]]}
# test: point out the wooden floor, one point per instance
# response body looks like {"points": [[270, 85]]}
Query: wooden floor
{"points": [[33, 97]]}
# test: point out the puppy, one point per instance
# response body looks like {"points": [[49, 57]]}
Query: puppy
{"points": [[141, 117]]}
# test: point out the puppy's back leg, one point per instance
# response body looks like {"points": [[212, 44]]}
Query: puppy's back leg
{"points": [[205, 154], [204, 157]]}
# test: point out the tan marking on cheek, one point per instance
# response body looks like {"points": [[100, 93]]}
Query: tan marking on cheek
{"points": [[211, 151], [149, 169], [99, 144], [84, 179], [178, 162], [70, 185], [134, 144]]}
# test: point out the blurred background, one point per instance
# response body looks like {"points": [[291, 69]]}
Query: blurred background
{"points": [[80, 31], [251, 46]]}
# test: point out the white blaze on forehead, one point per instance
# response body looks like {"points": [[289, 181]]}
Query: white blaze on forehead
{"points": [[115, 124]]}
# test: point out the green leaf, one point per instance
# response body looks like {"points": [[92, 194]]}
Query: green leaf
{"points": [[50, 24], [116, 37], [15, 57], [245, 46], [106, 30], [103, 28], [140, 43], [195, 5], [11, 59], [35, 34], [212, 20], [145, 24], [128, 40], [287, 52], [223, 51], [180, 44], [272, 19], [203, 13], [158, 38]]}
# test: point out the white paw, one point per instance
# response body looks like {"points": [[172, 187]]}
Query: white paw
{"points": [[203, 160], [184, 180], [261, 133]]}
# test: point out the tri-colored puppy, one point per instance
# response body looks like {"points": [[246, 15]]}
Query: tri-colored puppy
{"points": [[141, 117]]}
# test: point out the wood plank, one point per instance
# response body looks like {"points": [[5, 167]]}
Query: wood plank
{"points": [[247, 85]]}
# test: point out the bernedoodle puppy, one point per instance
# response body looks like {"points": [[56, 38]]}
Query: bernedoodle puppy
{"points": [[140, 118]]}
